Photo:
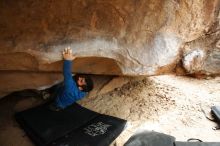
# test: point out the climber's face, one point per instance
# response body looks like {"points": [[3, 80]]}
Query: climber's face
{"points": [[81, 81]]}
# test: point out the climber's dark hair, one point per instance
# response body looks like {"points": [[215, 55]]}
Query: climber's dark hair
{"points": [[89, 83]]}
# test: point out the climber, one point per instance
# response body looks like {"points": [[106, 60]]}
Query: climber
{"points": [[73, 88]]}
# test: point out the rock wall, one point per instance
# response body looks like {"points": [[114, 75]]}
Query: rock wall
{"points": [[202, 56], [146, 37]]}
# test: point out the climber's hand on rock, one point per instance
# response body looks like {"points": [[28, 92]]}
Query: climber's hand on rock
{"points": [[67, 54]]}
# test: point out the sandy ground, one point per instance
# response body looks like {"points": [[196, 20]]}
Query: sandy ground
{"points": [[167, 104]]}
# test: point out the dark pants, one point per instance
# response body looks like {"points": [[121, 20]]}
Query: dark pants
{"points": [[54, 91]]}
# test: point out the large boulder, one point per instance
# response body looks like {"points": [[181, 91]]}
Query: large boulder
{"points": [[146, 37]]}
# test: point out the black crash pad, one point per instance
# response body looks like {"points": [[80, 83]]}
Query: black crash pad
{"points": [[74, 126], [100, 131]]}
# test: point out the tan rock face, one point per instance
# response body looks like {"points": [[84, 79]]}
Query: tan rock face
{"points": [[202, 56], [15, 81], [111, 37]]}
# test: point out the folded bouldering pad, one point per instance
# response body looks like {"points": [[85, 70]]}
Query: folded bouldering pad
{"points": [[73, 126], [197, 143], [152, 138], [216, 113]]}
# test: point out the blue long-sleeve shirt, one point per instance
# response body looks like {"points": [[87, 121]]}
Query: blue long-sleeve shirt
{"points": [[69, 93]]}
